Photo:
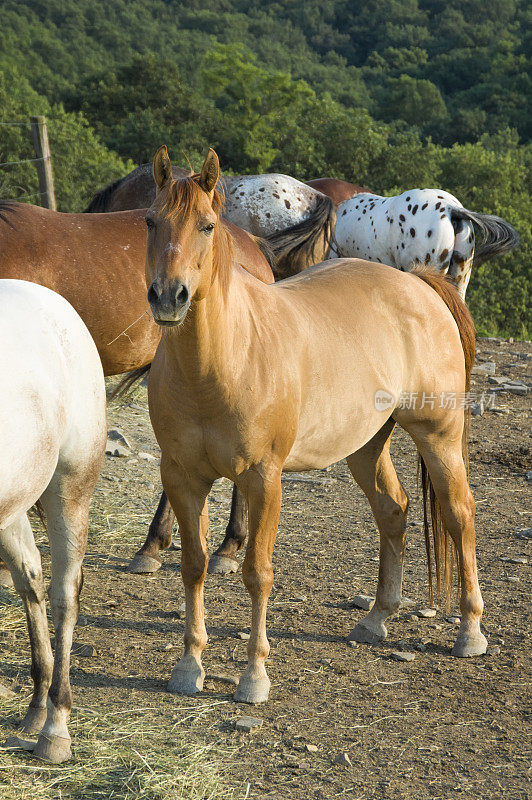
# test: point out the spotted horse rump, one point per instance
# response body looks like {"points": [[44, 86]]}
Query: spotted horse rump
{"points": [[419, 226]]}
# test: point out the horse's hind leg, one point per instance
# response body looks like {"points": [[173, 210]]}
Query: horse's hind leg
{"points": [[372, 468], [18, 549], [159, 537], [66, 504], [445, 465], [223, 560]]}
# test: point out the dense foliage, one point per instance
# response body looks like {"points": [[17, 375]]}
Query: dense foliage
{"points": [[391, 94]]}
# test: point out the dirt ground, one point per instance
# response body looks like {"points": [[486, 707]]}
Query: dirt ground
{"points": [[436, 727]]}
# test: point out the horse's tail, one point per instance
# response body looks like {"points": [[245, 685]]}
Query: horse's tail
{"points": [[294, 248], [498, 235], [267, 251], [444, 554], [128, 381], [101, 200]]}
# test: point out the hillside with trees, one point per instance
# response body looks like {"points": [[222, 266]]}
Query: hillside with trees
{"points": [[388, 94]]}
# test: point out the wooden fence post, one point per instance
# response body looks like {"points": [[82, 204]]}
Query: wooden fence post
{"points": [[44, 165]]}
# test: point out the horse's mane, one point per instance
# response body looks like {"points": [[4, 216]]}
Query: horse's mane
{"points": [[100, 201], [8, 207], [183, 194]]}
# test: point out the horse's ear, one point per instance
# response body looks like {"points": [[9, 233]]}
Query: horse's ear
{"points": [[209, 172], [162, 167]]}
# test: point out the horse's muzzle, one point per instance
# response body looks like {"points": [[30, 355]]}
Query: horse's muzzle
{"points": [[169, 302]]}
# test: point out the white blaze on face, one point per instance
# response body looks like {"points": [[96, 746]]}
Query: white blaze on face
{"points": [[264, 204]]}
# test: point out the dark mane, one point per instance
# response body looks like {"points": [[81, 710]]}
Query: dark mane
{"points": [[8, 207], [100, 201]]}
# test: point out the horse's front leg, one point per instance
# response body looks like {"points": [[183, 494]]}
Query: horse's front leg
{"points": [[188, 496], [223, 560], [159, 537], [263, 490]]}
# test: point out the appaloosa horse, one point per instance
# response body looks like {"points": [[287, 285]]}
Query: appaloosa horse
{"points": [[324, 350], [420, 226], [52, 416], [96, 261]]}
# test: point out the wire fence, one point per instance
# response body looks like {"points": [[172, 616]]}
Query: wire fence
{"points": [[42, 160]]}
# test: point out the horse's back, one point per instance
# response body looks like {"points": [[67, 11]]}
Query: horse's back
{"points": [[52, 407]]}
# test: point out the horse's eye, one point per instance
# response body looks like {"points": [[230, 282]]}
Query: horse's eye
{"points": [[208, 228], [150, 224]]}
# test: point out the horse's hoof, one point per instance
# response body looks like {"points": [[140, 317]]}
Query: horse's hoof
{"points": [[141, 564], [221, 565], [252, 690], [467, 646], [5, 578], [34, 720], [364, 635], [18, 743], [189, 681], [54, 749]]}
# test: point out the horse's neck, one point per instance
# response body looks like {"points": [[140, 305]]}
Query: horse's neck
{"points": [[204, 348]]}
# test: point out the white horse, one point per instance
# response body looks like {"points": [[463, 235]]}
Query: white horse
{"points": [[53, 423]]}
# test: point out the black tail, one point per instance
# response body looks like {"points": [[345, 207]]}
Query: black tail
{"points": [[129, 381], [100, 201], [498, 235], [294, 247]]}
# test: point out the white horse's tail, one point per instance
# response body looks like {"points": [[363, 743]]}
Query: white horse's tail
{"points": [[499, 236]]}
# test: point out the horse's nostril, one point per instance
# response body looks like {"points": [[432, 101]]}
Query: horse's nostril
{"points": [[153, 294], [182, 295]]}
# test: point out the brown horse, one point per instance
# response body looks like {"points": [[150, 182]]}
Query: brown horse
{"points": [[329, 356], [97, 263], [137, 189]]}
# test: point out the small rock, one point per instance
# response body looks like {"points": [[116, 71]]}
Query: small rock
{"points": [[529, 476], [248, 724], [512, 579], [243, 635], [524, 533], [436, 627], [5, 693], [426, 613], [84, 650], [326, 662], [116, 449], [311, 748], [486, 368], [300, 598], [147, 457], [520, 391], [363, 601], [497, 380], [453, 620], [406, 602], [493, 651], [399, 655], [477, 409], [412, 618], [182, 611], [168, 647], [343, 760], [116, 435], [514, 559]]}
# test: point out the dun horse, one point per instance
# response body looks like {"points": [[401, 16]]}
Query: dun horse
{"points": [[326, 359], [52, 414], [97, 263]]}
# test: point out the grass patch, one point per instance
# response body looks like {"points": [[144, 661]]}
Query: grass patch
{"points": [[118, 754]]}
